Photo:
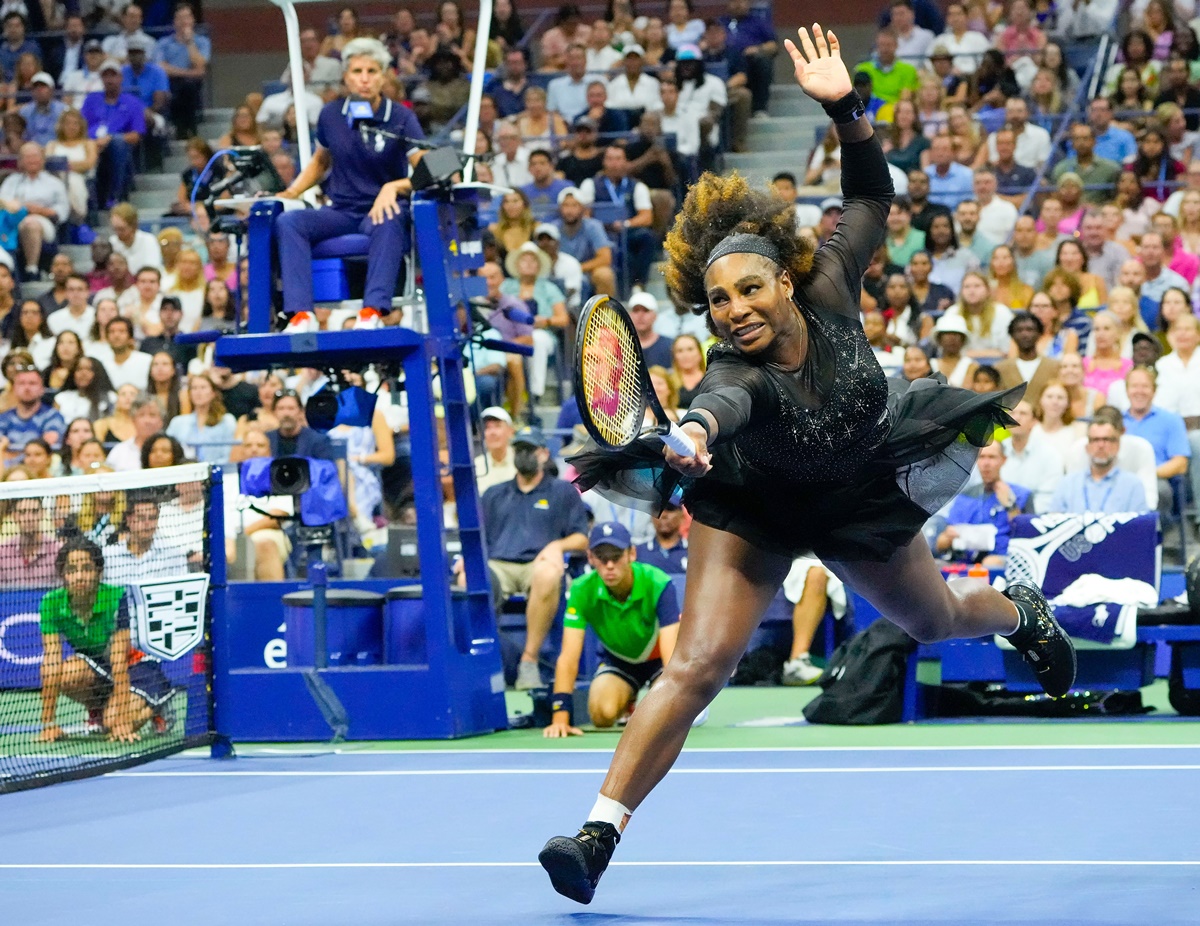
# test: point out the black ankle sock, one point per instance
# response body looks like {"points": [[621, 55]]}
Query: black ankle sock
{"points": [[1026, 621]]}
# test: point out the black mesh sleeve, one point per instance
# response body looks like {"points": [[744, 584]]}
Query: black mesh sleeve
{"points": [[732, 392]]}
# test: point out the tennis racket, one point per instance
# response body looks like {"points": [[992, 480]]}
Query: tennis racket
{"points": [[612, 383]]}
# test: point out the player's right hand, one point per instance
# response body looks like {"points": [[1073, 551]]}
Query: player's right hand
{"points": [[50, 734], [560, 729], [695, 466]]}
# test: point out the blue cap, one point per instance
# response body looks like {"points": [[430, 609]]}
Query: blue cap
{"points": [[610, 534], [530, 435]]}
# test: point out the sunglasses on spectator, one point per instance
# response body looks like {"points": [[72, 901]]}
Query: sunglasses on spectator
{"points": [[1104, 440], [23, 367], [286, 393]]}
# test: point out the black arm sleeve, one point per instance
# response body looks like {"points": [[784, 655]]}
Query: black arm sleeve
{"points": [[836, 278], [731, 392]]}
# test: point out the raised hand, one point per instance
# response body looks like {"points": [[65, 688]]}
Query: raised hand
{"points": [[820, 71]]}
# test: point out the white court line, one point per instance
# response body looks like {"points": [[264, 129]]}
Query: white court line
{"points": [[850, 770], [313, 750], [801, 863]]}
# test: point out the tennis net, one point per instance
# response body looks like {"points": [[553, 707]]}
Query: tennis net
{"points": [[105, 650]]}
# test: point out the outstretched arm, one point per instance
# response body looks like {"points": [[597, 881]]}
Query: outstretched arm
{"points": [[836, 278]]}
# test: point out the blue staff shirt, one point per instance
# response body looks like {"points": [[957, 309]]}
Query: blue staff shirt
{"points": [[975, 506], [1115, 493], [1165, 430], [672, 561], [127, 114], [518, 525], [360, 169]]}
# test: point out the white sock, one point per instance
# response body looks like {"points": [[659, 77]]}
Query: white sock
{"points": [[606, 810]]}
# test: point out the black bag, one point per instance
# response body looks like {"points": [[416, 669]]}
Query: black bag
{"points": [[864, 680], [1186, 701]]}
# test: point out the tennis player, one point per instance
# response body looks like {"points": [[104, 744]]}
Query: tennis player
{"points": [[105, 671], [800, 449], [634, 611]]}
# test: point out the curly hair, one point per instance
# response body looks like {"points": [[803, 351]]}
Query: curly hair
{"points": [[715, 208]]}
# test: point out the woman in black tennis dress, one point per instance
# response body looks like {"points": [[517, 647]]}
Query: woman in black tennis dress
{"points": [[800, 448]]}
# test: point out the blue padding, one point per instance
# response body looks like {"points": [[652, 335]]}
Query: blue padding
{"points": [[342, 246], [329, 280]]}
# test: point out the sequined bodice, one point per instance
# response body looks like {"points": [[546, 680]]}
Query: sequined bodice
{"points": [[831, 440]]}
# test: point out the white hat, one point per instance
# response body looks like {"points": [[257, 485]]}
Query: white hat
{"points": [[831, 202], [547, 228], [41, 77], [633, 48], [495, 411], [510, 262], [109, 64], [951, 324], [570, 191], [645, 300]]}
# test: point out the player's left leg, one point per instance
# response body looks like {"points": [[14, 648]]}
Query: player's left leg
{"points": [[608, 696], [909, 590]]}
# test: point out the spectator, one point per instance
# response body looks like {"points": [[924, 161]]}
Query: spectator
{"points": [[77, 316], [1165, 431], [717, 53], [997, 216], [141, 554], [949, 182], [164, 384], [634, 91], [219, 266], [322, 74], [15, 45], [614, 186], [140, 304], [1179, 385], [529, 524], [293, 438], [923, 209], [43, 112], [543, 191], [584, 239], [1030, 460], [170, 317], [932, 298], [117, 122], [652, 164], [1028, 366], [78, 85], [66, 56], [117, 46], [1034, 262], [1135, 454], [890, 77], [448, 88], [508, 88], [149, 83], [950, 335], [682, 123], [752, 38], [990, 502], [366, 196], [207, 432], [634, 612], [240, 397], [567, 94], [950, 262], [1105, 365], [602, 57], [87, 393], [810, 587], [510, 166], [963, 43], [1032, 142], [1085, 19], [912, 41], [1152, 253], [79, 432], [1104, 488], [1104, 257], [583, 157], [495, 465], [529, 269], [966, 215], [31, 334], [44, 198], [123, 363], [31, 417], [565, 270], [162, 450], [68, 348], [188, 286], [903, 241], [667, 549], [539, 126], [56, 297], [1013, 180]]}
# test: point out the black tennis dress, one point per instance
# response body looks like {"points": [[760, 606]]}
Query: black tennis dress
{"points": [[824, 459]]}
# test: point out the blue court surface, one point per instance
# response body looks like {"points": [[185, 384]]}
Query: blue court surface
{"points": [[963, 836]]}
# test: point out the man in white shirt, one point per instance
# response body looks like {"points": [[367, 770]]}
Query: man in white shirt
{"points": [[85, 79], [966, 45], [601, 56], [140, 303], [564, 268], [510, 166], [322, 74], [1135, 454], [634, 89], [567, 95], [44, 197], [121, 361], [1078, 20], [1033, 142], [912, 41], [147, 421], [684, 124], [997, 217], [141, 555], [116, 46], [495, 465], [77, 315], [1179, 386], [1031, 461]]}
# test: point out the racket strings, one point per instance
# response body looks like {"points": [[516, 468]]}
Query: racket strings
{"points": [[611, 378]]}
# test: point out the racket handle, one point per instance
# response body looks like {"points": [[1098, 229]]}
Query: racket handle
{"points": [[678, 441]]}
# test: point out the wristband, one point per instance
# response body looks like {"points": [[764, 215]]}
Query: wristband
{"points": [[700, 420], [847, 109], [562, 702]]}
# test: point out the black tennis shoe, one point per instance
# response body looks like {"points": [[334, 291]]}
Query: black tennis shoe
{"points": [[1042, 643], [575, 863]]}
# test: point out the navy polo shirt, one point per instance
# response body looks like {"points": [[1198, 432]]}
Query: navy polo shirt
{"points": [[974, 506], [359, 169], [672, 561], [517, 525]]}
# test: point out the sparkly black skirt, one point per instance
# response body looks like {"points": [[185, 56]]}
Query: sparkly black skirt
{"points": [[935, 435]]}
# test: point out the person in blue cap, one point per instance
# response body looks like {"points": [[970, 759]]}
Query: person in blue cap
{"points": [[634, 611], [529, 522]]}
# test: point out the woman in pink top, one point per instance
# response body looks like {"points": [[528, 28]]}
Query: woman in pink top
{"points": [[1177, 257], [1107, 365]]}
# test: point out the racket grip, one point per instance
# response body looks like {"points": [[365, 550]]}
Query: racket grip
{"points": [[678, 441]]}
